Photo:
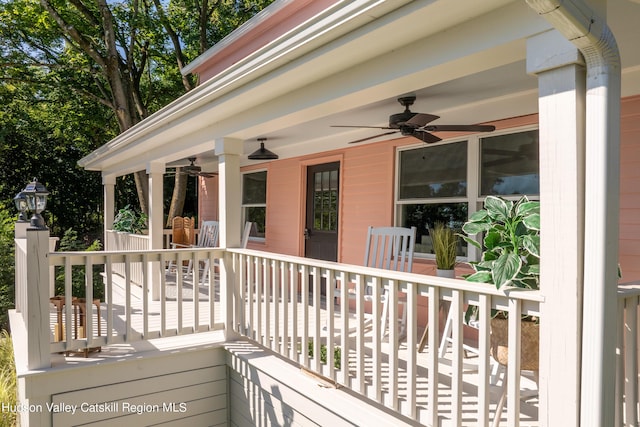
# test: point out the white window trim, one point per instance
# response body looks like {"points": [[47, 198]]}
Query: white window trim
{"points": [[253, 205], [474, 200]]}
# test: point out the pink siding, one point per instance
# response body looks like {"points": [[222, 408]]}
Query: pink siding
{"points": [[208, 199], [284, 221], [629, 189], [367, 196]]}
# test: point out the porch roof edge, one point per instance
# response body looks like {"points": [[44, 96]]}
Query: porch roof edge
{"points": [[321, 28]]}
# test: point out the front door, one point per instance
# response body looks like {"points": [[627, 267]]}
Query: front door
{"points": [[321, 228]]}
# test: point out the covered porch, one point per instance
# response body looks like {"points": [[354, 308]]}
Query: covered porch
{"points": [[559, 70]]}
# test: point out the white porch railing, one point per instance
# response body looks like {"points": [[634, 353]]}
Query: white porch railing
{"points": [[122, 242], [119, 241], [277, 302], [627, 375], [128, 313], [279, 305]]}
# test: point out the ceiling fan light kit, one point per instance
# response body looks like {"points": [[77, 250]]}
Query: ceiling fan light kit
{"points": [[417, 125], [193, 170]]}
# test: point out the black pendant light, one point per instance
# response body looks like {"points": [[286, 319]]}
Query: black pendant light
{"points": [[262, 153]]}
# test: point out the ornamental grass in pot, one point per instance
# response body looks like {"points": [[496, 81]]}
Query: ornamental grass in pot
{"points": [[510, 257], [445, 247]]}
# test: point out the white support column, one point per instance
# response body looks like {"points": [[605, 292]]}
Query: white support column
{"points": [[561, 82], [155, 170], [109, 200], [228, 152]]}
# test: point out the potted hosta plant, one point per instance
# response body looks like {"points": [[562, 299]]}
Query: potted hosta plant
{"points": [[510, 257], [445, 246]]}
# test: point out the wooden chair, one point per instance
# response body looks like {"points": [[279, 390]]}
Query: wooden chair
{"points": [[389, 248], [182, 234], [177, 231], [189, 231]]}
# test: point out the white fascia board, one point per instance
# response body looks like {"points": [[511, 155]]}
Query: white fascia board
{"points": [[294, 43], [314, 70]]}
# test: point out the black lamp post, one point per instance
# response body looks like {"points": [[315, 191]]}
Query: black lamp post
{"points": [[21, 204], [36, 196]]}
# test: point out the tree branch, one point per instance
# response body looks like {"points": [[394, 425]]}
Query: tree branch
{"points": [[88, 14], [175, 40], [70, 30]]}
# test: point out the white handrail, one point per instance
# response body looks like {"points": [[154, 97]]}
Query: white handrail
{"points": [[121, 241], [280, 305], [628, 359], [126, 315]]}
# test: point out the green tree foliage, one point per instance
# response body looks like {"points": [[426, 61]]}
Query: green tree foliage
{"points": [[8, 383], [124, 55], [70, 242], [45, 139], [74, 74], [108, 62], [6, 265]]}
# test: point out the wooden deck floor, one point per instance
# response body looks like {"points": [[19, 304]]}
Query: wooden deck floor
{"points": [[529, 410]]}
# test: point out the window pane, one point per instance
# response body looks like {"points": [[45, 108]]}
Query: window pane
{"points": [[256, 215], [254, 188], [424, 216], [510, 164], [438, 171]]}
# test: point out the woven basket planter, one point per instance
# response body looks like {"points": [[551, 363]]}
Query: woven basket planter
{"points": [[530, 343]]}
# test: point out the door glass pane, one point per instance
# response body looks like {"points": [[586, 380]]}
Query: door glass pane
{"points": [[509, 164], [325, 200], [437, 171]]}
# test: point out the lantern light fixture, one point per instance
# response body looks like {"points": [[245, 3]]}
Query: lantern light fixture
{"points": [[36, 197], [21, 204]]}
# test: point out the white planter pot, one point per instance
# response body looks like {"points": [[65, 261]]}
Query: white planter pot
{"points": [[451, 274]]}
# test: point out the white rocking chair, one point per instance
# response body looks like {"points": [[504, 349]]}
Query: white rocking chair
{"points": [[389, 248]]}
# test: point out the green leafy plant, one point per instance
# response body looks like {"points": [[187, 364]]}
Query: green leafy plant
{"points": [[323, 354], [511, 243], [7, 263], [445, 245], [71, 242], [8, 388], [130, 221], [511, 246]]}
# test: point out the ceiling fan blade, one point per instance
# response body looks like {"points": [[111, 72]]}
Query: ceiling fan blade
{"points": [[425, 136], [361, 127], [207, 174], [372, 137], [420, 119], [458, 128]]}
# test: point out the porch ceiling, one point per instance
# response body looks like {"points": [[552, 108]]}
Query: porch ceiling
{"points": [[348, 67]]}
